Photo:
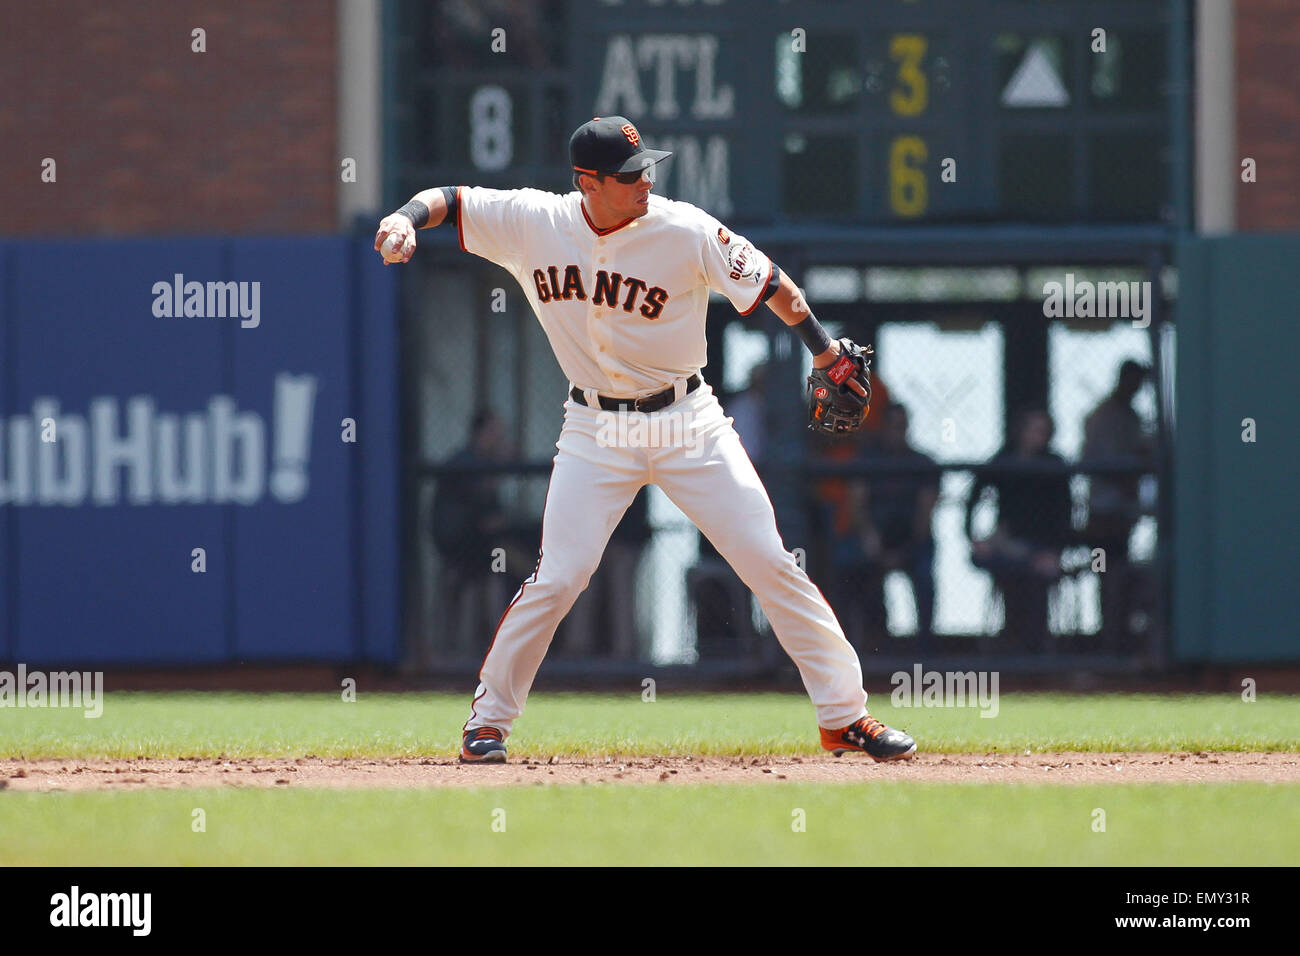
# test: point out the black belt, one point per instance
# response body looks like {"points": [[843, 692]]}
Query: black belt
{"points": [[651, 403]]}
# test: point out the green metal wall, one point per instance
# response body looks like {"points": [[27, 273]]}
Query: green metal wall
{"points": [[1237, 574]]}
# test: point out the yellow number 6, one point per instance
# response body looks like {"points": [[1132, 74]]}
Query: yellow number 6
{"points": [[907, 189]]}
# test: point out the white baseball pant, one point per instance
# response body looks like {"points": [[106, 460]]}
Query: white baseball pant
{"points": [[702, 467]]}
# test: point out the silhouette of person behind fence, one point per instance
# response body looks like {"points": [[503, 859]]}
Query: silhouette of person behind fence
{"points": [[1024, 552], [1114, 430], [887, 527]]}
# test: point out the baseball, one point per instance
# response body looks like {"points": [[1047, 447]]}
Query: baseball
{"points": [[391, 250]]}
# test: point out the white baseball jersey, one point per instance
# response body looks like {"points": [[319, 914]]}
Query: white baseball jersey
{"points": [[623, 307]]}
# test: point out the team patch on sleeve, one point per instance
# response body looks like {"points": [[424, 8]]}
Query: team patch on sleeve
{"points": [[743, 260]]}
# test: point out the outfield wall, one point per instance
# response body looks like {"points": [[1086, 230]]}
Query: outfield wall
{"points": [[1237, 572], [131, 435]]}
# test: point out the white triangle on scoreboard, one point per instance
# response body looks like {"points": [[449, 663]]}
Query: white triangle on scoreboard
{"points": [[1035, 83]]}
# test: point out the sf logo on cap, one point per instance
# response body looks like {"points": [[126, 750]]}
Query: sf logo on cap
{"points": [[632, 135]]}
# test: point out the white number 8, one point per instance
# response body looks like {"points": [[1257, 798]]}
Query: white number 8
{"points": [[491, 144]]}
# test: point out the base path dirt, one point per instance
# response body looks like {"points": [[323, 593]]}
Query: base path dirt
{"points": [[1048, 768]]}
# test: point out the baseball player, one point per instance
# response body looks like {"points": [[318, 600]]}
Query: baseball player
{"points": [[619, 279]]}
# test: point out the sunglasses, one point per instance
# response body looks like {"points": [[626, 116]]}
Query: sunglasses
{"points": [[627, 179]]}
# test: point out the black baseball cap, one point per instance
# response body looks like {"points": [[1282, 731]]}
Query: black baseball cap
{"points": [[610, 144]]}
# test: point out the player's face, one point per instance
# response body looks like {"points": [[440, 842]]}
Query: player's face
{"points": [[624, 200]]}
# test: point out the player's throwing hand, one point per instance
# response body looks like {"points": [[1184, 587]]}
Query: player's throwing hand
{"points": [[395, 240]]}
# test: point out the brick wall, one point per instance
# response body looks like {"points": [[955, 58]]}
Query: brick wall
{"points": [[1268, 112], [151, 138]]}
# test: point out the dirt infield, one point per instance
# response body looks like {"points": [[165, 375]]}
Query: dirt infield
{"points": [[1054, 768]]}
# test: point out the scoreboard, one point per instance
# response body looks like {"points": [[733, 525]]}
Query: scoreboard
{"points": [[862, 112]]}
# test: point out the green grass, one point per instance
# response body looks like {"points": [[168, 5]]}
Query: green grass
{"points": [[247, 725], [876, 824], [871, 823]]}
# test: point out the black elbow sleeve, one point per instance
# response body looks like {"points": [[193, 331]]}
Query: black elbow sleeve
{"points": [[452, 195], [773, 283]]}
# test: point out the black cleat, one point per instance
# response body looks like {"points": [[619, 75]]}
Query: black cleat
{"points": [[872, 738], [483, 745]]}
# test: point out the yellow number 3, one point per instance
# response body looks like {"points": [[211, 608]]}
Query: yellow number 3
{"points": [[907, 49]]}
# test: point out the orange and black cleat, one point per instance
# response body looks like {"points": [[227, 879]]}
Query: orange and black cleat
{"points": [[871, 737], [483, 745]]}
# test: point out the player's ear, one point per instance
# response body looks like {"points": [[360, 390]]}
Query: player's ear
{"points": [[587, 182]]}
